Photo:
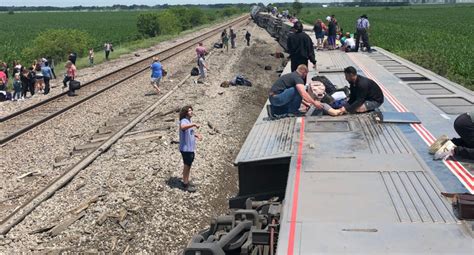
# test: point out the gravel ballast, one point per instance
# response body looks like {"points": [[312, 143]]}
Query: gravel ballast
{"points": [[129, 204]]}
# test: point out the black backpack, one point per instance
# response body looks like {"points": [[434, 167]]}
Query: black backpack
{"points": [[240, 80], [195, 71]]}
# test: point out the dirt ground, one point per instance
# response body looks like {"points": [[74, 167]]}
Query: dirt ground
{"points": [[135, 179]]}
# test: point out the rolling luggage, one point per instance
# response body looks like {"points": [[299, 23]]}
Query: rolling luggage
{"points": [[74, 85]]}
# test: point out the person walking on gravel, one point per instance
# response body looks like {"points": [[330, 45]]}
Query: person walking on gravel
{"points": [[233, 36], [203, 68], [108, 48], [156, 74], [91, 57], [47, 75], [247, 38], [70, 73], [187, 144], [51, 65], [200, 51], [225, 40]]}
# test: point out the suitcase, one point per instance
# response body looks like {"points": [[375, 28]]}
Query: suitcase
{"points": [[74, 85]]}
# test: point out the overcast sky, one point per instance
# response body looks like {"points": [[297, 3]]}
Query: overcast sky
{"points": [[64, 3]]}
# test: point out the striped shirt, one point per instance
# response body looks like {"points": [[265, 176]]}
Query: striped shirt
{"points": [[362, 23]]}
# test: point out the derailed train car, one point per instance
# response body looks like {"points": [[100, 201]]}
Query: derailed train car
{"points": [[352, 185]]}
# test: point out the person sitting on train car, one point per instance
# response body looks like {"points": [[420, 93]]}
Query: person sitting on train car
{"points": [[287, 93], [463, 146], [365, 94], [349, 43]]}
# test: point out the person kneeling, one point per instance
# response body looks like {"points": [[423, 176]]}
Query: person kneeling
{"points": [[462, 147], [365, 94], [287, 93]]}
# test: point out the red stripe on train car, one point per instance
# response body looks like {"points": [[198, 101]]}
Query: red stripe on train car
{"points": [[296, 187]]}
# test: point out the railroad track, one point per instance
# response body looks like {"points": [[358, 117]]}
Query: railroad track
{"points": [[101, 144], [20, 122]]}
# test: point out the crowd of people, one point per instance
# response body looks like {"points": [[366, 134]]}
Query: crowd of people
{"points": [[29, 80], [32, 79], [331, 36]]}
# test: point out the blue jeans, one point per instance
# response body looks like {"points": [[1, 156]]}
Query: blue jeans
{"points": [[288, 101]]}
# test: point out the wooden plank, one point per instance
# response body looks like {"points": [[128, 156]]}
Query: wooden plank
{"points": [[87, 146], [85, 205], [65, 224], [28, 174], [144, 137]]}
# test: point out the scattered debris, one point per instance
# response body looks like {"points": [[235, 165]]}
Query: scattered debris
{"points": [[36, 172], [65, 224]]}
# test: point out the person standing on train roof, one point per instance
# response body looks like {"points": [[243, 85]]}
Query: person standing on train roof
{"points": [[362, 27], [287, 93], [462, 147], [301, 48], [187, 144], [332, 32], [365, 94]]}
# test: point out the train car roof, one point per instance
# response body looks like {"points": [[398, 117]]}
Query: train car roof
{"points": [[359, 186]]}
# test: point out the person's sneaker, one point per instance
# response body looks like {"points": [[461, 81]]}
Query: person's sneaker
{"points": [[446, 151], [269, 111], [437, 144]]}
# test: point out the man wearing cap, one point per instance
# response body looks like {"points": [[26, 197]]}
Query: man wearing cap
{"points": [[300, 46], [362, 27]]}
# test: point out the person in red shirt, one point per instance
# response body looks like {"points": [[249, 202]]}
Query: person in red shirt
{"points": [[70, 73]]}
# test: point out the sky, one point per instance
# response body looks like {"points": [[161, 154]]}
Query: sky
{"points": [[65, 3]]}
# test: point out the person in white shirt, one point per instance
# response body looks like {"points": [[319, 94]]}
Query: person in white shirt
{"points": [[349, 43]]}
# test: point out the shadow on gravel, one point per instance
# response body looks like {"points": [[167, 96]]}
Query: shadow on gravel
{"points": [[175, 183]]}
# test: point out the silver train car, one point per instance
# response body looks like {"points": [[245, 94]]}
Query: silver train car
{"points": [[353, 184]]}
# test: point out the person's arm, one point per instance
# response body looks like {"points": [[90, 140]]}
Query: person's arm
{"points": [[360, 98], [188, 126], [307, 97], [73, 72], [198, 136]]}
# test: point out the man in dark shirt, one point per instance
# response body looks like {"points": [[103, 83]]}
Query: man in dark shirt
{"points": [[287, 93], [462, 147], [332, 31], [365, 95], [72, 57], [300, 46]]}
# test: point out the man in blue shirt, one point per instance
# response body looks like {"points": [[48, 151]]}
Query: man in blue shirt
{"points": [[156, 74], [362, 27], [187, 144]]}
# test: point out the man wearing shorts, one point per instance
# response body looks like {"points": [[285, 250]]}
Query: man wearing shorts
{"points": [[187, 144], [156, 74], [365, 94]]}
